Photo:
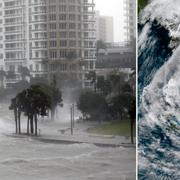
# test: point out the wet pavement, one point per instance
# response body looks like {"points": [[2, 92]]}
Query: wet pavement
{"points": [[25, 158]]}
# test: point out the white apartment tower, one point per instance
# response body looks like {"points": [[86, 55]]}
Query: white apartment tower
{"points": [[104, 28], [130, 19], [49, 36]]}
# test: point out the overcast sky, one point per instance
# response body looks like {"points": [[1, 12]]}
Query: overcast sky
{"points": [[113, 8]]}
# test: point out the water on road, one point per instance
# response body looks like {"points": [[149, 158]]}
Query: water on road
{"points": [[23, 158]]}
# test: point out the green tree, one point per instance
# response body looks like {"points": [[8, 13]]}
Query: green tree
{"points": [[32, 102], [124, 104], [93, 105], [14, 107]]}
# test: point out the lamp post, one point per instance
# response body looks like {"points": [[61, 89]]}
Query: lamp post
{"points": [[72, 118]]}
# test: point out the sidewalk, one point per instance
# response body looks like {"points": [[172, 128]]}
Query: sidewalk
{"points": [[56, 134]]}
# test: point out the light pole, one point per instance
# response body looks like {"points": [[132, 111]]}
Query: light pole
{"points": [[72, 118], [71, 109]]}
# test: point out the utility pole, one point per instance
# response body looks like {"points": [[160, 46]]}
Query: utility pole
{"points": [[72, 118], [71, 109], [73, 115]]}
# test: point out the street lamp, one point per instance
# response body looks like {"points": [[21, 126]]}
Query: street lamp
{"points": [[72, 118]]}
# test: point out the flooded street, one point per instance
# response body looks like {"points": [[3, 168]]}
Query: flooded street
{"points": [[24, 158], [28, 159]]}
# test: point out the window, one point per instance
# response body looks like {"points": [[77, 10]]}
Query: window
{"points": [[53, 43], [37, 67], [62, 17], [63, 43], [72, 43], [36, 54], [72, 34], [52, 25], [72, 26], [52, 34], [72, 17], [72, 8], [62, 26], [62, 8], [53, 54], [52, 17], [63, 54], [52, 8], [63, 34]]}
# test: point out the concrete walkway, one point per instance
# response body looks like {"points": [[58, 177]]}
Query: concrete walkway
{"points": [[56, 133]]}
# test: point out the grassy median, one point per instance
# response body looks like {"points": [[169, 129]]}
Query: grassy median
{"points": [[121, 128]]}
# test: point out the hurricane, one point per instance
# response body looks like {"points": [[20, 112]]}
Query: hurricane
{"points": [[159, 90]]}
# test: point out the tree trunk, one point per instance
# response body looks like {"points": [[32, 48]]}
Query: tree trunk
{"points": [[15, 117], [19, 121], [28, 124], [132, 124], [35, 121], [31, 124]]}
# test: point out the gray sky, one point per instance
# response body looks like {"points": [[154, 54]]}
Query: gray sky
{"points": [[113, 8]]}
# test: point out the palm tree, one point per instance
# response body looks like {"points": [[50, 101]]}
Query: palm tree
{"points": [[13, 107], [32, 102]]}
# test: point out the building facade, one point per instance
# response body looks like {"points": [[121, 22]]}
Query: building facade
{"points": [[130, 19], [1, 37], [48, 36], [120, 56], [104, 28]]}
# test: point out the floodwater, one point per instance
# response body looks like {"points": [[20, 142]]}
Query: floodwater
{"points": [[28, 159]]}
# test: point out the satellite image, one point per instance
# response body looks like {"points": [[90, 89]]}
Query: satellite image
{"points": [[159, 89]]}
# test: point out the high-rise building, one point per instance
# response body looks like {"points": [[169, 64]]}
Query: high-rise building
{"points": [[130, 19], [1, 37], [104, 28], [48, 36]]}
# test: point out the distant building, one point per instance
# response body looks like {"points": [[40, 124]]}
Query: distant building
{"points": [[47, 36], [118, 57], [104, 28], [130, 19]]}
